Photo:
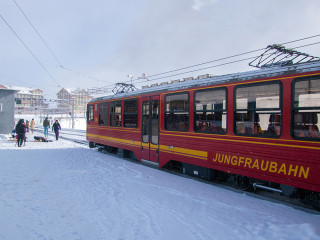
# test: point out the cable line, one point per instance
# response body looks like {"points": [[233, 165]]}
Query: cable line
{"points": [[302, 39], [220, 64], [25, 45], [195, 70], [38, 33], [51, 51], [75, 72], [199, 69], [307, 45], [179, 69], [220, 59]]}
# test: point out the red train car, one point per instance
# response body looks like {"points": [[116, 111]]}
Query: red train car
{"points": [[257, 128]]}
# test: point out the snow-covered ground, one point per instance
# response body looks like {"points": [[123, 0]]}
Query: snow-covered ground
{"points": [[62, 190]]}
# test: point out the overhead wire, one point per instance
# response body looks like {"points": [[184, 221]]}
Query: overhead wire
{"points": [[29, 50], [39, 35], [50, 50], [82, 74], [147, 79], [307, 45], [216, 60], [150, 76], [200, 69], [220, 59], [196, 70], [154, 75], [301, 39]]}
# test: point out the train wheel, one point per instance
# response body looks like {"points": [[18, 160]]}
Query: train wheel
{"points": [[288, 190], [241, 182], [313, 200], [244, 183], [92, 145], [219, 176], [112, 149]]}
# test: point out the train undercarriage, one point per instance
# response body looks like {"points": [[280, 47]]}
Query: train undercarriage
{"points": [[305, 197]]}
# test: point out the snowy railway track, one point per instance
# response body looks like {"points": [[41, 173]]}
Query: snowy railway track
{"points": [[74, 135], [83, 142]]}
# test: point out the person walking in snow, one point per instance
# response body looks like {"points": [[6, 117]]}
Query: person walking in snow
{"points": [[32, 123], [21, 131], [46, 126], [27, 125], [56, 127]]}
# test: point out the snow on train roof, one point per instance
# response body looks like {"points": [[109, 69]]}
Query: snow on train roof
{"points": [[211, 80]]}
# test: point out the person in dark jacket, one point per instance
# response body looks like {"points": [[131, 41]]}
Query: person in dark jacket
{"points": [[56, 127], [46, 126], [21, 131]]}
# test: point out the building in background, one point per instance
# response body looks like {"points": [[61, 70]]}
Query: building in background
{"points": [[28, 100], [31, 100], [73, 100], [7, 101]]}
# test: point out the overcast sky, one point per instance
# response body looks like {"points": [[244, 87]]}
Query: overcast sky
{"points": [[103, 41]]}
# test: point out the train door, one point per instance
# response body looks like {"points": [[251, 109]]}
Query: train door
{"points": [[150, 129]]}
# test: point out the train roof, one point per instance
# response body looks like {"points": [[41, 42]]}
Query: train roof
{"points": [[214, 80]]}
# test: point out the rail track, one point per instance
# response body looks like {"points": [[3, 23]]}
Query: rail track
{"points": [[74, 135]]}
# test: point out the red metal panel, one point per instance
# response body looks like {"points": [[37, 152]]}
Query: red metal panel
{"points": [[149, 149], [282, 160]]}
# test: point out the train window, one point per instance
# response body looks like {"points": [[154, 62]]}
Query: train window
{"points": [[145, 120], [258, 109], [155, 122], [306, 108], [103, 114], [177, 112], [90, 113], [210, 115], [130, 113], [115, 113]]}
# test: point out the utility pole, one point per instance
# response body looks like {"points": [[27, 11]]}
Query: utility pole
{"points": [[72, 113]]}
